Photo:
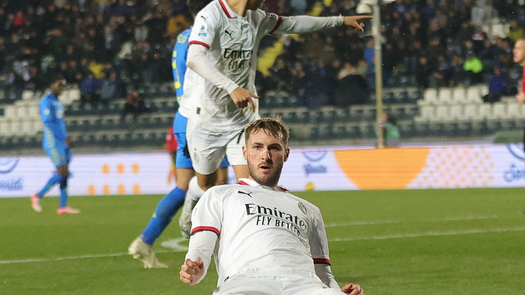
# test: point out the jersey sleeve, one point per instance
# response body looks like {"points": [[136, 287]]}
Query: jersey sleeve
{"points": [[318, 240], [204, 29], [180, 51], [270, 22], [207, 214]]}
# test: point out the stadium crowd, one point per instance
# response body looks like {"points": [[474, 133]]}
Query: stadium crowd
{"points": [[109, 47]]}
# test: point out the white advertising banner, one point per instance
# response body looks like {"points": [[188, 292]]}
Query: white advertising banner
{"points": [[306, 169]]}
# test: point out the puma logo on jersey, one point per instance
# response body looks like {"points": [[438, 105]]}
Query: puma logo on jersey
{"points": [[245, 193], [228, 33]]}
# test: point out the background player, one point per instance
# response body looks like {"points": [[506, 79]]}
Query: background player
{"points": [[187, 84], [519, 57], [57, 145], [223, 49], [265, 240]]}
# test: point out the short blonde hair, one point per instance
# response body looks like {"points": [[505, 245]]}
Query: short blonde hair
{"points": [[270, 126]]}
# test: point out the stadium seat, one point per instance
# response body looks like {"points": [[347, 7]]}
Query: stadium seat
{"points": [[514, 110], [429, 97], [291, 117], [315, 134], [480, 128], [33, 112], [494, 126], [328, 132], [474, 95], [27, 128], [356, 114], [484, 111], [305, 117], [509, 125], [445, 95], [499, 110], [442, 113], [427, 113], [483, 90], [459, 95], [5, 128], [37, 125], [470, 112], [465, 129], [340, 132], [456, 112], [73, 125], [369, 130], [369, 114], [10, 112], [354, 132], [320, 117]]}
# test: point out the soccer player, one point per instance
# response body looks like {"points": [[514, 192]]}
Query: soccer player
{"points": [[57, 145], [265, 240], [187, 87], [223, 50], [519, 57]]}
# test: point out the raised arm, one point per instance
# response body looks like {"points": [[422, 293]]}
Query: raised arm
{"points": [[304, 23]]}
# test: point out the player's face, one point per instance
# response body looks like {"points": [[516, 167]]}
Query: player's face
{"points": [[519, 52], [57, 87], [265, 155]]}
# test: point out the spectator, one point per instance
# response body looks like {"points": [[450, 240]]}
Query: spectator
{"points": [[473, 69], [498, 86], [112, 88], [134, 105], [89, 90], [515, 32], [391, 133]]}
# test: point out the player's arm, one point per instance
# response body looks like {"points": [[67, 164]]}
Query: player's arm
{"points": [[304, 23], [520, 97], [201, 40], [178, 63], [206, 225]]}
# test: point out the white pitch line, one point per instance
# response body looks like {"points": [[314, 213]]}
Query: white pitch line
{"points": [[431, 234], [373, 222], [384, 237]]}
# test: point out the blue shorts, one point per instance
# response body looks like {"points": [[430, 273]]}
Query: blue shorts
{"points": [[60, 154], [179, 129]]}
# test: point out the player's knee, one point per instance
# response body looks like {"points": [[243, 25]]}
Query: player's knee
{"points": [[63, 181]]}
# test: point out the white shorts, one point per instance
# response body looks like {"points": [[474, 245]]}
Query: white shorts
{"points": [[272, 284], [207, 149]]}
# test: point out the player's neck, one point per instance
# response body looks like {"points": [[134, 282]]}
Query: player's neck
{"points": [[238, 6]]}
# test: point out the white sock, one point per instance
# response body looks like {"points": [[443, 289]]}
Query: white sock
{"points": [[194, 191]]}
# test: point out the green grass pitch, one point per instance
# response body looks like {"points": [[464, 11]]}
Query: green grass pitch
{"points": [[416, 242]]}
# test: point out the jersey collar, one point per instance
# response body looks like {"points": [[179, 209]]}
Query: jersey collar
{"points": [[249, 182], [226, 9]]}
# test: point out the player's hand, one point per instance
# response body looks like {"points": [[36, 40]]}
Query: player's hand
{"points": [[243, 98], [69, 142], [356, 21], [191, 271], [520, 97], [353, 289]]}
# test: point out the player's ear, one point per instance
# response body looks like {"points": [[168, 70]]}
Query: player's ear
{"points": [[286, 154], [244, 152]]}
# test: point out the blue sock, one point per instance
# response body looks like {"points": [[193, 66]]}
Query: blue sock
{"points": [[165, 211], [49, 185], [63, 192]]}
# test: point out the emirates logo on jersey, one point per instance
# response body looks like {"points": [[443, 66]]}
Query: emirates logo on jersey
{"points": [[266, 216], [238, 59]]}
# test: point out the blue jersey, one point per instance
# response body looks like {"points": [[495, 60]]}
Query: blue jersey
{"points": [[178, 61], [52, 114]]}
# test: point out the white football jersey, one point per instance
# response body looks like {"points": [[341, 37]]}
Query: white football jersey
{"points": [[233, 42], [261, 228], [193, 91]]}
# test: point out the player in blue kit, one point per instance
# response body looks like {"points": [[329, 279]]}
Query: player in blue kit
{"points": [[57, 145], [142, 247]]}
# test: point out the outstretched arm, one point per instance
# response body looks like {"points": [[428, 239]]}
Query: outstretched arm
{"points": [[304, 23]]}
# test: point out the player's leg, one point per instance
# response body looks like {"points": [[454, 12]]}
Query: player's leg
{"points": [[63, 170], [235, 156], [55, 157], [223, 177], [141, 248], [252, 286]]}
